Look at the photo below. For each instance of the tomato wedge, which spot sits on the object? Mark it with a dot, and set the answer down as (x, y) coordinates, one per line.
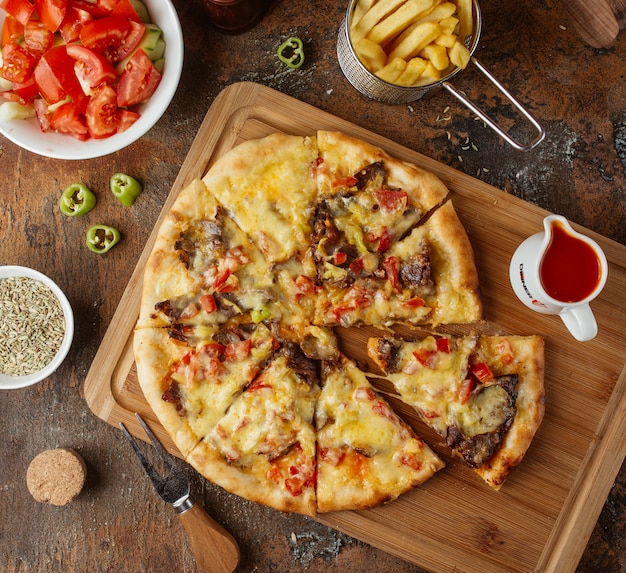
(12, 30)
(51, 12)
(105, 35)
(125, 8)
(17, 63)
(68, 118)
(73, 22)
(102, 114)
(42, 113)
(115, 37)
(138, 81)
(55, 77)
(95, 9)
(21, 10)
(26, 92)
(127, 118)
(91, 68)
(38, 39)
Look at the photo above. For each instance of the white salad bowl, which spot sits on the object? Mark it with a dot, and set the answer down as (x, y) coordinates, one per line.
(10, 382)
(26, 132)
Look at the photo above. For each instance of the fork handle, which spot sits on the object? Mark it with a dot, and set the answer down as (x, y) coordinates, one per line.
(214, 549)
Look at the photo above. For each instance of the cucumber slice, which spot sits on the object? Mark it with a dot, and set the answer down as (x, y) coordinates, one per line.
(159, 65)
(158, 50)
(14, 110)
(54, 106)
(142, 10)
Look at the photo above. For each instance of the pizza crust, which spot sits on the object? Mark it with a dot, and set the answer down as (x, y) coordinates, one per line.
(343, 156)
(253, 486)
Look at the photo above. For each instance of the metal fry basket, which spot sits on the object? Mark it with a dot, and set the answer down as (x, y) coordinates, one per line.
(375, 88)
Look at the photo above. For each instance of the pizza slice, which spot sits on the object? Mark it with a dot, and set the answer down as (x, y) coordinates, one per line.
(366, 454)
(484, 395)
(435, 263)
(190, 375)
(263, 448)
(202, 269)
(268, 186)
(425, 277)
(346, 163)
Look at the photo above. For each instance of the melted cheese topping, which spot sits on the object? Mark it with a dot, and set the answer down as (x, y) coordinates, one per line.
(433, 383)
(267, 418)
(350, 415)
(273, 201)
(218, 388)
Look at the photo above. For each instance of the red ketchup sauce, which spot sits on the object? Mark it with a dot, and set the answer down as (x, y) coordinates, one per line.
(570, 269)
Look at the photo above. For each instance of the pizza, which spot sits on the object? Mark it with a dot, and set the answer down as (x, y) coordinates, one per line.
(284, 240)
(482, 394)
(366, 454)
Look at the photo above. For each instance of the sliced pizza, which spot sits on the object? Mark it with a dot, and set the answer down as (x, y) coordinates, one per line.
(263, 448)
(190, 375)
(268, 186)
(484, 395)
(366, 454)
(434, 267)
(427, 276)
(202, 269)
(510, 357)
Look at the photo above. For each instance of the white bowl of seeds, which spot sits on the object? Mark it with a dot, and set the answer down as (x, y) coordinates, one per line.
(36, 327)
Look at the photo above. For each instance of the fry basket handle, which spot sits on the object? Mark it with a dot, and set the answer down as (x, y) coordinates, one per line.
(467, 102)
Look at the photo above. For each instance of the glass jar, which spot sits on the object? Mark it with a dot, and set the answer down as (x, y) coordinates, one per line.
(234, 16)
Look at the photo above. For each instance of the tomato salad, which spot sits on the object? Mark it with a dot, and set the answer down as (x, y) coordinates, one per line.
(80, 66)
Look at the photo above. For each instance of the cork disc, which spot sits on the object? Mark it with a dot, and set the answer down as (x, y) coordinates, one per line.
(56, 476)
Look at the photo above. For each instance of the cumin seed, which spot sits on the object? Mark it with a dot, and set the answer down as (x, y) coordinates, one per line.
(32, 326)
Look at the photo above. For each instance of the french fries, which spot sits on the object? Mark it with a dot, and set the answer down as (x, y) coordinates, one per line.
(412, 42)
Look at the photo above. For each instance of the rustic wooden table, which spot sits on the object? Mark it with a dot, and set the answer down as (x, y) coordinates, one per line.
(118, 523)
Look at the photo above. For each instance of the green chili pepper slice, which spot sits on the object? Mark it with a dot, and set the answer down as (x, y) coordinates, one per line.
(76, 200)
(102, 238)
(261, 313)
(125, 188)
(291, 52)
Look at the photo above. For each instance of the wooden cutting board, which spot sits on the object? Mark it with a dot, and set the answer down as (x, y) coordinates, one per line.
(542, 518)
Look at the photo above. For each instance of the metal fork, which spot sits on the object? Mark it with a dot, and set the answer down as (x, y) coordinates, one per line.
(214, 548)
